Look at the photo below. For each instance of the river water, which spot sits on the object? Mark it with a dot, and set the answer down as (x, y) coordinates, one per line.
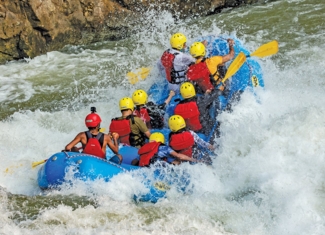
(268, 178)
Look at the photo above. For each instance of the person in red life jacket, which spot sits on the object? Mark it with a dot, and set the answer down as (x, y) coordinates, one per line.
(174, 62)
(150, 113)
(195, 110)
(208, 72)
(93, 141)
(186, 141)
(131, 129)
(156, 150)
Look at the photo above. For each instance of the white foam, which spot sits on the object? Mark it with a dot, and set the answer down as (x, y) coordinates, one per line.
(268, 177)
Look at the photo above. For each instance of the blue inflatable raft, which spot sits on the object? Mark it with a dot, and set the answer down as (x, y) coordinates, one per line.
(87, 167)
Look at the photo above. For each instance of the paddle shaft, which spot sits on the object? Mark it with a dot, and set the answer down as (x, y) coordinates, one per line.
(35, 164)
(235, 66)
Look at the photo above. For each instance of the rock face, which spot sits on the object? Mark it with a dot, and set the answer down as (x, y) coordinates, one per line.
(32, 27)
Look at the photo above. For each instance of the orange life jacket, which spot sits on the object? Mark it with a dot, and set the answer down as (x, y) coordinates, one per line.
(200, 74)
(190, 112)
(182, 142)
(94, 145)
(147, 152)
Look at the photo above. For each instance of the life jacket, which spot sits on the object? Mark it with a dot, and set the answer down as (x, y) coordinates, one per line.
(123, 128)
(94, 145)
(142, 113)
(147, 152)
(200, 74)
(191, 114)
(173, 76)
(182, 142)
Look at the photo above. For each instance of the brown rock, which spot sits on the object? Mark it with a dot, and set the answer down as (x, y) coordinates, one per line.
(32, 27)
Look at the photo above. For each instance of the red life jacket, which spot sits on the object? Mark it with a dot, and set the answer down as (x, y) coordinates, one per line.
(182, 142)
(147, 151)
(121, 127)
(190, 112)
(143, 114)
(93, 146)
(173, 76)
(200, 74)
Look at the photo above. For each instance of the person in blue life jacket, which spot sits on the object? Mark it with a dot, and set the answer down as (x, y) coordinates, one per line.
(93, 141)
(186, 141)
(208, 72)
(156, 150)
(131, 129)
(195, 109)
(174, 62)
(152, 114)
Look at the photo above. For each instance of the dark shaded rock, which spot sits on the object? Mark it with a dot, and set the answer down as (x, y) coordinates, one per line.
(33, 27)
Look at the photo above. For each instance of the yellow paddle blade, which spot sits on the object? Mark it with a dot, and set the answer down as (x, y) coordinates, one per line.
(144, 72)
(133, 78)
(266, 49)
(102, 129)
(235, 66)
(141, 73)
(35, 164)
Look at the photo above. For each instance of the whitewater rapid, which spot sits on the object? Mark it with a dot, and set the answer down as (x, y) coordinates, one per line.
(268, 177)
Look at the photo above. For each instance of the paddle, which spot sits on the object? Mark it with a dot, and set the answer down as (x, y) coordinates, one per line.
(35, 164)
(74, 149)
(141, 73)
(235, 66)
(266, 49)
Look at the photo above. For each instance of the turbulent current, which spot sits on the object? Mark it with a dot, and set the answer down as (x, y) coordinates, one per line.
(268, 178)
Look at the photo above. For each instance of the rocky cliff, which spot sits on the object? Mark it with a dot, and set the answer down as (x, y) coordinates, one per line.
(32, 27)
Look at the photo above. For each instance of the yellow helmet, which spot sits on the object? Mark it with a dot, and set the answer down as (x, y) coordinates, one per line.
(139, 97)
(187, 90)
(126, 103)
(176, 122)
(177, 41)
(158, 137)
(197, 49)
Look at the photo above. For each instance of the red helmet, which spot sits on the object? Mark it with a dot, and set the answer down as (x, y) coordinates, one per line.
(92, 120)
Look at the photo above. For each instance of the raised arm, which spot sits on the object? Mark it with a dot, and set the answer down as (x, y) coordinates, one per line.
(231, 54)
(171, 94)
